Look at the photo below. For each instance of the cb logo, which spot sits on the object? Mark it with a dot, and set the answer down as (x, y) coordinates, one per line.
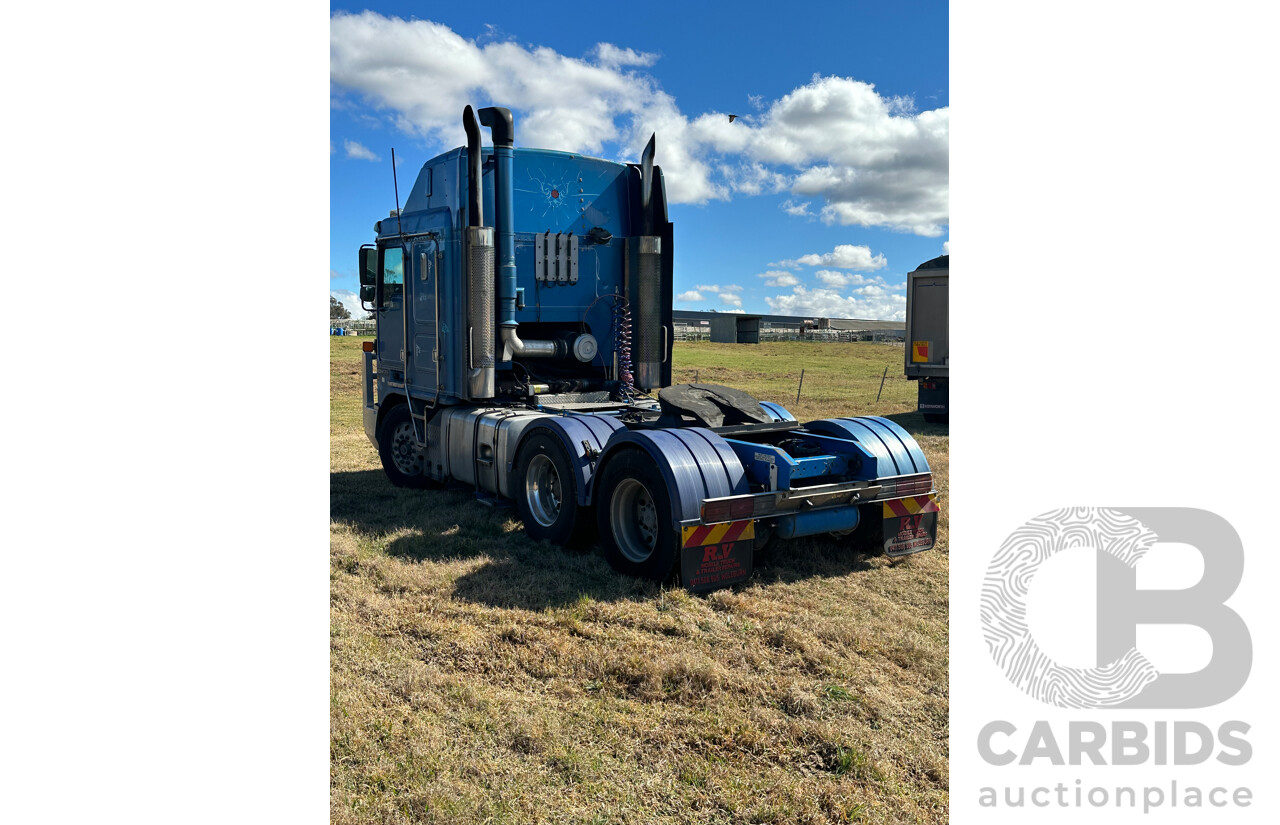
(1124, 677)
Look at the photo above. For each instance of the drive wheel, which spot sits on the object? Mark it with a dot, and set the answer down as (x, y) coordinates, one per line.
(403, 459)
(546, 493)
(633, 516)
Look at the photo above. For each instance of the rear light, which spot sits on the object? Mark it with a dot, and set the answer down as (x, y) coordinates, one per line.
(367, 346)
(731, 510)
(912, 487)
(714, 511)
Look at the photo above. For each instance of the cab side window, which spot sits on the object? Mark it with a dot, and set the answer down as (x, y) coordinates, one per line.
(392, 274)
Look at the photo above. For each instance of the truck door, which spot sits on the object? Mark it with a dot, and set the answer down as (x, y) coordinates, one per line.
(424, 289)
(391, 309)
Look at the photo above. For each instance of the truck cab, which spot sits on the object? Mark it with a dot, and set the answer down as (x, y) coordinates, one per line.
(524, 339)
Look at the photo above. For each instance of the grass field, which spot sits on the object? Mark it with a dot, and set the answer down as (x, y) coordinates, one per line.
(479, 677)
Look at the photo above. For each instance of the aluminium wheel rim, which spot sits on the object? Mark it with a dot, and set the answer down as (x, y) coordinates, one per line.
(542, 490)
(633, 518)
(406, 454)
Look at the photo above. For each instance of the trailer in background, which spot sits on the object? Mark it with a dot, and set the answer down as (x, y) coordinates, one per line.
(927, 355)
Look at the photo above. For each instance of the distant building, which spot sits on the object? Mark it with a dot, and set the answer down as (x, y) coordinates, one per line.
(742, 328)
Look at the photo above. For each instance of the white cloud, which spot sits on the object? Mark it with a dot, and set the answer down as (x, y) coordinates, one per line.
(607, 54)
(727, 294)
(946, 247)
(358, 151)
(836, 280)
(844, 256)
(798, 209)
(871, 302)
(777, 278)
(351, 301)
(425, 73)
(872, 160)
(753, 179)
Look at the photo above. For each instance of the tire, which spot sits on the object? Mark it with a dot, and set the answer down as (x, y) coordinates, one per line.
(546, 493)
(404, 463)
(633, 517)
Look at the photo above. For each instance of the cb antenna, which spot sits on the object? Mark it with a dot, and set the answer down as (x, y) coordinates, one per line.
(396, 183)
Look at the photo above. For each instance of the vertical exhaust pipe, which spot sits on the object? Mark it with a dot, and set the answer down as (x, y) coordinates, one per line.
(648, 344)
(498, 119)
(481, 379)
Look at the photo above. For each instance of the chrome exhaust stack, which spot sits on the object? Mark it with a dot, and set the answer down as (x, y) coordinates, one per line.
(502, 128)
(481, 373)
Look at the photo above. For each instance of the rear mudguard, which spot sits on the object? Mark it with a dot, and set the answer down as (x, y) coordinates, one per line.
(584, 438)
(696, 464)
(776, 411)
(895, 451)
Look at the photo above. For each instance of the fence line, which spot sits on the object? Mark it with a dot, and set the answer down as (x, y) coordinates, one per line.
(821, 336)
(868, 388)
(351, 326)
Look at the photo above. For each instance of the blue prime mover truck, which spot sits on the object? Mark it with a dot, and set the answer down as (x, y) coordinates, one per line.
(524, 337)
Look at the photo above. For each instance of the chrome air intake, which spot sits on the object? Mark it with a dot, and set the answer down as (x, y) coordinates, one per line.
(648, 352)
(480, 338)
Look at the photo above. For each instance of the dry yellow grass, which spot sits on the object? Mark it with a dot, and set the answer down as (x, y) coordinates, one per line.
(479, 677)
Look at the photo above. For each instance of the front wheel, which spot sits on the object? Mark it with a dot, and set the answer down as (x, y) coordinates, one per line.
(546, 493)
(403, 459)
(633, 516)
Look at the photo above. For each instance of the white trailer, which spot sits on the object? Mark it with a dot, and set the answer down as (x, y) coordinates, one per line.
(927, 354)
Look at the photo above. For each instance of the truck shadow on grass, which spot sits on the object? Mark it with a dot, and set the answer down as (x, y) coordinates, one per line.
(545, 576)
(448, 525)
(429, 526)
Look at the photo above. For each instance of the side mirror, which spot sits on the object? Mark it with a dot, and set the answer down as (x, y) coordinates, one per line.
(368, 266)
(369, 278)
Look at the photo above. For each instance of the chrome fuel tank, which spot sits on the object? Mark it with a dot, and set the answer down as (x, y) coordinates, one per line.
(477, 445)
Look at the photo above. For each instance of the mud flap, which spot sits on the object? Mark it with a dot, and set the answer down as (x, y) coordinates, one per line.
(910, 524)
(717, 555)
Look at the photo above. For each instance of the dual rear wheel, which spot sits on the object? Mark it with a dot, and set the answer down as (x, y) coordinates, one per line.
(633, 518)
(632, 515)
(546, 494)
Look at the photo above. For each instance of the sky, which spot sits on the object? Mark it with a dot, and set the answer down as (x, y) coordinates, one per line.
(829, 186)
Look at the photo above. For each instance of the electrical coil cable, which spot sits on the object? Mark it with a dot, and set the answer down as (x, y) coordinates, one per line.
(621, 330)
(622, 343)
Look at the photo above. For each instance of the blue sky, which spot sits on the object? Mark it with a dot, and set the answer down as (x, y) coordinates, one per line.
(828, 188)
